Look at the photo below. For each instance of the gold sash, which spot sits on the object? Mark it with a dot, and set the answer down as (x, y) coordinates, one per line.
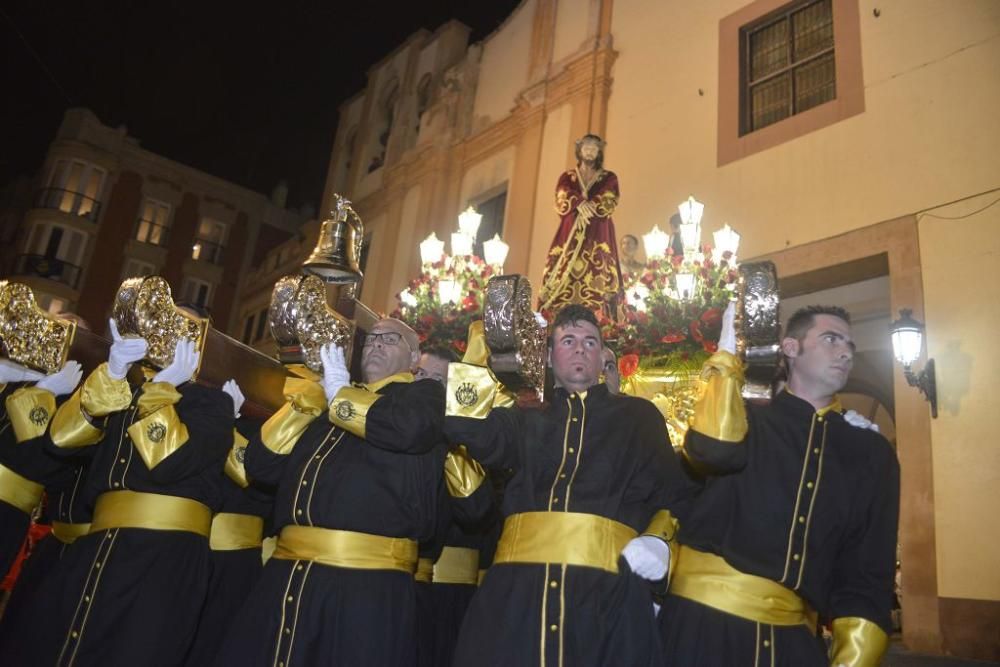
(457, 565)
(711, 581)
(425, 570)
(19, 491)
(231, 532)
(344, 548)
(153, 511)
(68, 532)
(571, 538)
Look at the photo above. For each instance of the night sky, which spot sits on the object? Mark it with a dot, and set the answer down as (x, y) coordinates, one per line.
(245, 91)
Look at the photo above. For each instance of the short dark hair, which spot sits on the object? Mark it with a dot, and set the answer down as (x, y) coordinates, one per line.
(573, 314)
(803, 318)
(440, 352)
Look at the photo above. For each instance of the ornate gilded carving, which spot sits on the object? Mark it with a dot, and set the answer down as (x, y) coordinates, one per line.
(29, 335)
(144, 307)
(302, 321)
(516, 342)
(758, 326)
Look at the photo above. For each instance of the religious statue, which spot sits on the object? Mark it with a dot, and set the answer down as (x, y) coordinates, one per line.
(582, 265)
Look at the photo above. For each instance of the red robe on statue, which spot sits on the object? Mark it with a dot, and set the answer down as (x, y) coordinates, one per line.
(582, 265)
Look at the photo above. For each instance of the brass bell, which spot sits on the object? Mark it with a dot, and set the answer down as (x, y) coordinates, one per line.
(337, 255)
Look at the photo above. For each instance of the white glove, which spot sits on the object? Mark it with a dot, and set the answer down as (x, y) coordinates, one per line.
(63, 381)
(11, 371)
(335, 373)
(855, 418)
(233, 389)
(727, 338)
(182, 368)
(540, 320)
(123, 353)
(648, 557)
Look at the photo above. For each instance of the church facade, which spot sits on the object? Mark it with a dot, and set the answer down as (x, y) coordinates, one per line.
(851, 142)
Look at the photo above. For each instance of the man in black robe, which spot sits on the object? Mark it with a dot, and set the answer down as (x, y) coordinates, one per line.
(587, 513)
(130, 591)
(358, 470)
(797, 519)
(27, 403)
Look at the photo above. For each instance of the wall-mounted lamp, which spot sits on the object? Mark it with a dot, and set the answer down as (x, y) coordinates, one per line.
(907, 336)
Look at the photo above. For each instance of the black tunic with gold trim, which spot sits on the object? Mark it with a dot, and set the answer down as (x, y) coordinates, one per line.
(69, 516)
(238, 529)
(591, 471)
(358, 485)
(26, 468)
(800, 506)
(129, 592)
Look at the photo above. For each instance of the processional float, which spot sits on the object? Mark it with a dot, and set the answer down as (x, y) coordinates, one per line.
(301, 319)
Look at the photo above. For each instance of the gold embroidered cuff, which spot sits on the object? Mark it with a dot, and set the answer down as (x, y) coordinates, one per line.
(29, 410)
(19, 492)
(663, 525)
(158, 436)
(235, 467)
(101, 395)
(70, 427)
(471, 391)
(232, 532)
(719, 412)
(857, 642)
(457, 565)
(306, 396)
(156, 395)
(305, 401)
(462, 473)
(349, 409)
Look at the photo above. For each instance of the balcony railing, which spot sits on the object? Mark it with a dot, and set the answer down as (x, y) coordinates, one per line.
(67, 201)
(207, 251)
(150, 232)
(48, 267)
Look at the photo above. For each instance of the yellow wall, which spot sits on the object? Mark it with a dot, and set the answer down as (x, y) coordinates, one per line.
(573, 20)
(960, 259)
(503, 70)
(928, 134)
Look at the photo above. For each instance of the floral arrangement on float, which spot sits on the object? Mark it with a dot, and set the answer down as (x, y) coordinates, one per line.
(447, 296)
(672, 317)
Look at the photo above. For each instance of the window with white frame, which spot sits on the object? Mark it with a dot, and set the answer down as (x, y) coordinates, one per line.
(197, 292)
(55, 241)
(210, 241)
(74, 186)
(153, 222)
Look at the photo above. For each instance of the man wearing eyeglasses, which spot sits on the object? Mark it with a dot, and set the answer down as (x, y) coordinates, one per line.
(358, 469)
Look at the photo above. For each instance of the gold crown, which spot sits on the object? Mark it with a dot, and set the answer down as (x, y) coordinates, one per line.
(302, 322)
(144, 307)
(29, 335)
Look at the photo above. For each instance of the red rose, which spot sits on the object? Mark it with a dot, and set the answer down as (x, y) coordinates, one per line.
(674, 337)
(628, 365)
